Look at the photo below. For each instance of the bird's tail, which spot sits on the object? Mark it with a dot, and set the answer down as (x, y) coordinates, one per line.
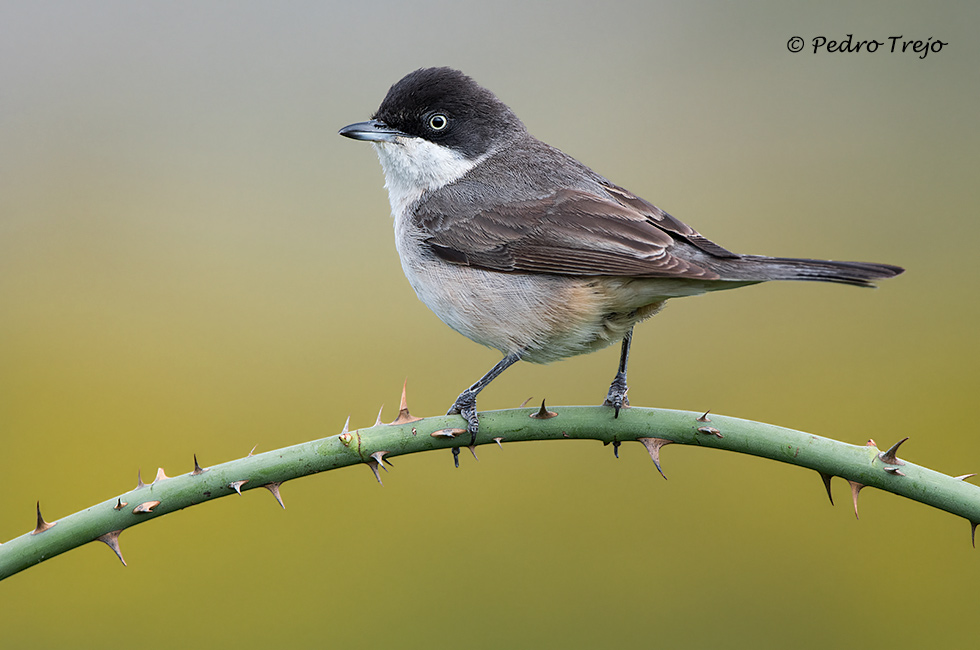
(860, 274)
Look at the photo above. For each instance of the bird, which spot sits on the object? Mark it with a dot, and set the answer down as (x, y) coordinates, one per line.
(520, 247)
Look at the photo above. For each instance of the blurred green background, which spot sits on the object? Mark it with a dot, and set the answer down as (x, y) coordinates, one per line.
(191, 261)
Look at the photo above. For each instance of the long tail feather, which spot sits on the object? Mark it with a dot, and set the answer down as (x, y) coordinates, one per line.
(859, 274)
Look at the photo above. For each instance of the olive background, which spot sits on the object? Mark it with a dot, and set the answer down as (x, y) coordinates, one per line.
(192, 261)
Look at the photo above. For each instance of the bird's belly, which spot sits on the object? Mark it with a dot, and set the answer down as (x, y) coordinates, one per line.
(541, 317)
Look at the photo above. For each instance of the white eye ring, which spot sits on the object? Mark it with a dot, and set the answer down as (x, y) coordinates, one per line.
(438, 122)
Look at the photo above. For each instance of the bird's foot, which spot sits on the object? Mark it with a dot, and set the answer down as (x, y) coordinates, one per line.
(465, 405)
(617, 393)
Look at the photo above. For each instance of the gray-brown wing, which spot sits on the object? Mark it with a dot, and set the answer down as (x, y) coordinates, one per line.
(574, 232)
(667, 221)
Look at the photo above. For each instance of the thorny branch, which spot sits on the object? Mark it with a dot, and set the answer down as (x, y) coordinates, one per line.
(861, 466)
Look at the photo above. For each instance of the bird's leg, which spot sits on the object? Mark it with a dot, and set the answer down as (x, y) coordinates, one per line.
(617, 390)
(465, 404)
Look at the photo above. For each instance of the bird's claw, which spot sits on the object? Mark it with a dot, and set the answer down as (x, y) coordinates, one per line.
(465, 406)
(617, 393)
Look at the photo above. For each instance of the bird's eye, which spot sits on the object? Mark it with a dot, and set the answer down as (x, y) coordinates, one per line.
(438, 122)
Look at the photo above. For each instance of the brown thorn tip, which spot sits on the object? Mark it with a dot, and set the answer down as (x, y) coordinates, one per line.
(252, 451)
(41, 524)
(404, 417)
(826, 481)
(139, 480)
(871, 443)
(373, 464)
(237, 485)
(161, 475)
(472, 448)
(120, 504)
(705, 418)
(895, 471)
(524, 403)
(653, 446)
(543, 413)
(710, 431)
(112, 541)
(855, 490)
(973, 533)
(274, 488)
(964, 477)
(145, 507)
(197, 468)
(498, 440)
(889, 456)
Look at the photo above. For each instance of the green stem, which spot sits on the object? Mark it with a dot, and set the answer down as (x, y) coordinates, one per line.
(862, 465)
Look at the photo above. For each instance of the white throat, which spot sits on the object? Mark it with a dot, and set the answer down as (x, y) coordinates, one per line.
(413, 166)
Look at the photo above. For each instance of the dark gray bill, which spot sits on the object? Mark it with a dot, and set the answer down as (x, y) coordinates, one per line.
(372, 131)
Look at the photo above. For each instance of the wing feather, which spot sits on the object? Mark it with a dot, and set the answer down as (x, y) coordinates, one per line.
(574, 232)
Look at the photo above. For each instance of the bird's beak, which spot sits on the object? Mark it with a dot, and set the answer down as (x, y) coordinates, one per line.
(372, 131)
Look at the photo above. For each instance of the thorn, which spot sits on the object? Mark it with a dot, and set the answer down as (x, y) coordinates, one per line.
(963, 478)
(894, 470)
(41, 524)
(472, 448)
(251, 452)
(524, 403)
(973, 533)
(404, 417)
(871, 443)
(120, 504)
(373, 464)
(456, 457)
(274, 488)
(710, 431)
(543, 413)
(161, 476)
(616, 445)
(498, 440)
(197, 468)
(145, 507)
(112, 541)
(889, 456)
(855, 490)
(379, 457)
(345, 425)
(237, 485)
(378, 420)
(826, 481)
(653, 446)
(705, 418)
(447, 433)
(139, 480)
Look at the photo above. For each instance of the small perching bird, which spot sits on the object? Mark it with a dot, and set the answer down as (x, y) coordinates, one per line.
(522, 248)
